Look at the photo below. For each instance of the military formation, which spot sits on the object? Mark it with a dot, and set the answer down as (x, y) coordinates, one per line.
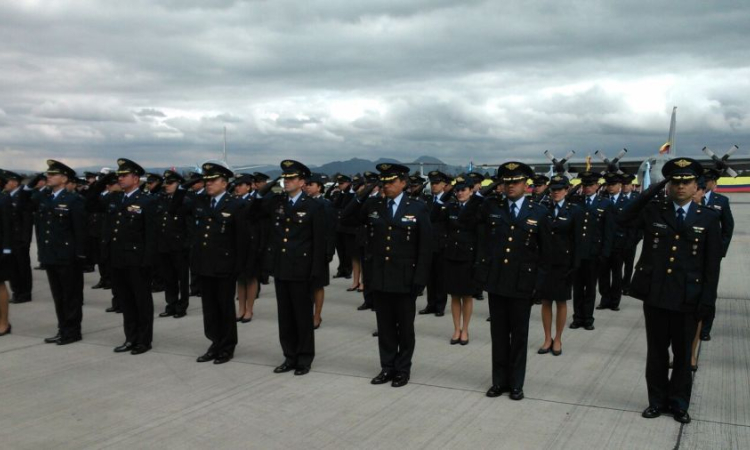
(522, 238)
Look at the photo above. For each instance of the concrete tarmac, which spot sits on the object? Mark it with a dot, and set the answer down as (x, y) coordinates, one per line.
(84, 396)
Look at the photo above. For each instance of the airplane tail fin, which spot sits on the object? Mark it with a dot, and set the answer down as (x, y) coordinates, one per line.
(669, 148)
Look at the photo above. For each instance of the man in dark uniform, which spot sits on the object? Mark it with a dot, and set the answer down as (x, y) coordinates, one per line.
(61, 242)
(720, 204)
(676, 277)
(101, 201)
(539, 189)
(260, 181)
(633, 236)
(22, 224)
(173, 246)
(298, 243)
(129, 239)
(610, 269)
(511, 241)
(218, 252)
(437, 296)
(596, 245)
(344, 234)
(400, 232)
(368, 296)
(197, 191)
(153, 187)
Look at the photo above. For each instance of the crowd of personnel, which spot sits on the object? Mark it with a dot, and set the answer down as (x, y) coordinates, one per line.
(221, 236)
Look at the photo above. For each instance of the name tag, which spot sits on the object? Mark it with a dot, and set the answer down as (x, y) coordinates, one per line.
(410, 219)
(226, 214)
(659, 225)
(698, 229)
(496, 216)
(374, 215)
(135, 209)
(531, 222)
(562, 218)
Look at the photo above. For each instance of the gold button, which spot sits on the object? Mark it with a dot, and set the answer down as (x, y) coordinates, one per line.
(669, 270)
(512, 227)
(387, 258)
(674, 248)
(677, 236)
(507, 250)
(285, 239)
(288, 219)
(510, 239)
(283, 250)
(584, 234)
(671, 259)
(585, 220)
(584, 227)
(388, 249)
(388, 238)
(286, 229)
(505, 261)
(390, 228)
(205, 235)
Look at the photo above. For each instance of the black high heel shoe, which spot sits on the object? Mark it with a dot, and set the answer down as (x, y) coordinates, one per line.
(10, 328)
(353, 289)
(544, 351)
(555, 353)
(457, 340)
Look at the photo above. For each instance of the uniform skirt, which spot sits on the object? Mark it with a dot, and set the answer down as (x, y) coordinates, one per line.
(6, 267)
(553, 284)
(459, 278)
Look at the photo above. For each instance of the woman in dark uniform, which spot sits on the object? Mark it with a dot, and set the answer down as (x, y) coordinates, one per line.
(6, 264)
(460, 218)
(247, 281)
(559, 263)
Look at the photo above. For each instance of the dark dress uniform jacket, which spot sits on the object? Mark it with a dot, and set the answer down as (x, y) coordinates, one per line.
(129, 236)
(439, 232)
(679, 268)
(598, 228)
(461, 229)
(401, 247)
(219, 247)
(510, 248)
(564, 239)
(720, 203)
(297, 238)
(6, 236)
(61, 227)
(172, 224)
(22, 220)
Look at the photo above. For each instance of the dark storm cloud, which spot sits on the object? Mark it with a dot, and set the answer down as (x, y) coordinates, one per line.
(325, 80)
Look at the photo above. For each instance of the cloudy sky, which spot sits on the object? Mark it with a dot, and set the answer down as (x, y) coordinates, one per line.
(321, 80)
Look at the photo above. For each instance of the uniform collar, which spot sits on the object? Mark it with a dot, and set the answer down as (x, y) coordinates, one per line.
(295, 198)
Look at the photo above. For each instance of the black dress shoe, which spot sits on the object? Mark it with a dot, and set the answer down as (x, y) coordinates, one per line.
(544, 351)
(496, 391)
(302, 371)
(601, 306)
(126, 347)
(374, 334)
(439, 313)
(651, 412)
(68, 340)
(166, 314)
(383, 377)
(516, 394)
(179, 315)
(575, 326)
(53, 339)
(694, 367)
(680, 415)
(222, 358)
(248, 320)
(455, 341)
(399, 380)
(427, 310)
(479, 297)
(7, 331)
(112, 309)
(97, 285)
(589, 327)
(208, 356)
(17, 300)
(489, 319)
(284, 368)
(363, 307)
(140, 349)
(614, 308)
(555, 352)
(705, 336)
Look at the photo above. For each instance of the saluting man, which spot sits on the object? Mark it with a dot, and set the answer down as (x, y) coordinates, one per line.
(399, 234)
(610, 270)
(129, 239)
(22, 224)
(676, 277)
(217, 256)
(298, 245)
(509, 253)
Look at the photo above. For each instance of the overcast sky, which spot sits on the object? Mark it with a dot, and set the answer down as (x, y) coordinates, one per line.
(315, 80)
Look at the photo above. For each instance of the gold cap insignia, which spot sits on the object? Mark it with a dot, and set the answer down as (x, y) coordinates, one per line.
(287, 163)
(682, 163)
(511, 166)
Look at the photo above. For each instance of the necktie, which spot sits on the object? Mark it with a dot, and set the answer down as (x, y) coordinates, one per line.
(513, 209)
(703, 201)
(557, 209)
(680, 217)
(291, 203)
(213, 203)
(588, 202)
(391, 202)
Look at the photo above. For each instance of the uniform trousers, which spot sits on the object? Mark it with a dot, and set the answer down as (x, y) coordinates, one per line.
(395, 314)
(666, 328)
(176, 272)
(66, 285)
(610, 279)
(509, 328)
(345, 259)
(437, 296)
(584, 292)
(21, 279)
(296, 328)
(132, 288)
(628, 262)
(219, 313)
